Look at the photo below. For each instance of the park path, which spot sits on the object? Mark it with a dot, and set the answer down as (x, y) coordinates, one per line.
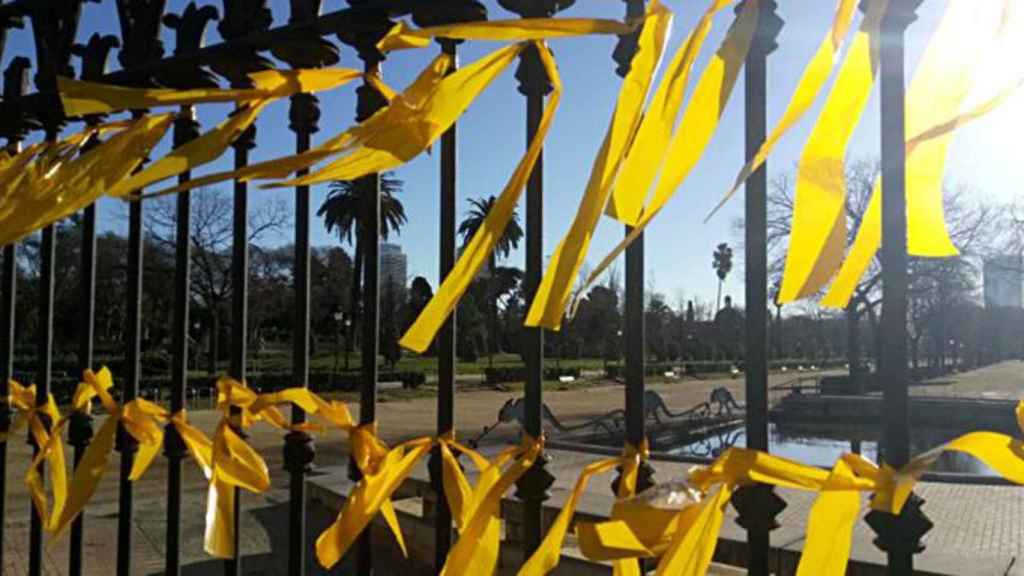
(264, 517)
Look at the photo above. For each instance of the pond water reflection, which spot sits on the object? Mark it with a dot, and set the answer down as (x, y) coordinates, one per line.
(821, 445)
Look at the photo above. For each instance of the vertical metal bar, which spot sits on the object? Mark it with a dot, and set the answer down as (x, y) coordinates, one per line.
(44, 360)
(185, 128)
(370, 224)
(80, 428)
(533, 492)
(8, 294)
(7, 322)
(239, 311)
(893, 360)
(635, 334)
(756, 268)
(368, 102)
(635, 341)
(126, 444)
(446, 336)
(758, 505)
(299, 445)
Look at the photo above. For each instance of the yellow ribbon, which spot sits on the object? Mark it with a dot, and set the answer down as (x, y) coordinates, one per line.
(674, 158)
(233, 463)
(383, 470)
(554, 290)
(818, 234)
(140, 418)
(939, 88)
(80, 97)
(811, 83)
(54, 186)
(547, 556)
(381, 123)
(477, 251)
(51, 449)
(477, 510)
(402, 37)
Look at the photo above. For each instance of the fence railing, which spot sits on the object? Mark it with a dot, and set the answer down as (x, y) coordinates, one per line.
(247, 29)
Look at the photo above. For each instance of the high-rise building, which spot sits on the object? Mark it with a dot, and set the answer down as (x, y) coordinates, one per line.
(393, 265)
(1004, 282)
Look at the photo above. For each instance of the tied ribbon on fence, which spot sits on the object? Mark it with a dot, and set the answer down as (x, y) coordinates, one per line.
(686, 538)
(233, 463)
(44, 184)
(139, 418)
(546, 558)
(382, 471)
(941, 85)
(50, 446)
(666, 156)
(269, 85)
(477, 251)
(477, 509)
(555, 287)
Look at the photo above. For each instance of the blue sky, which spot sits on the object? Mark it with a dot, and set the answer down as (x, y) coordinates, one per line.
(492, 138)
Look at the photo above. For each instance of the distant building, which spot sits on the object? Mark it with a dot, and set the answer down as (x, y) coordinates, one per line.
(393, 265)
(1004, 282)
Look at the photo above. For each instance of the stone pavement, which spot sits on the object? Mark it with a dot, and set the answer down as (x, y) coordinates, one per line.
(975, 524)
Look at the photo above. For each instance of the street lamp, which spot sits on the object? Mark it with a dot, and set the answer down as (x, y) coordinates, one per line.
(343, 325)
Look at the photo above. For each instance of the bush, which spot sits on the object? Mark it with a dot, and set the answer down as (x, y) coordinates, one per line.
(518, 374)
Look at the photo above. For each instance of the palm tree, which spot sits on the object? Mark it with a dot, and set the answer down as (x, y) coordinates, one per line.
(474, 220)
(342, 210)
(722, 265)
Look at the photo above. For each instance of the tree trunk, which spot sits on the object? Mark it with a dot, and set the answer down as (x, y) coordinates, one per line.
(718, 300)
(492, 312)
(214, 338)
(853, 356)
(876, 330)
(353, 307)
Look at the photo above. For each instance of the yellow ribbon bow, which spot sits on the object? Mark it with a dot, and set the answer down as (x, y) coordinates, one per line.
(233, 463)
(140, 418)
(686, 538)
(477, 509)
(546, 558)
(51, 449)
(383, 471)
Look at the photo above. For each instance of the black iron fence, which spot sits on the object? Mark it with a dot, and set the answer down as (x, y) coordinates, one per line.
(248, 30)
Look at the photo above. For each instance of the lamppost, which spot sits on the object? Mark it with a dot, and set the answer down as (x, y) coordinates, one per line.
(343, 324)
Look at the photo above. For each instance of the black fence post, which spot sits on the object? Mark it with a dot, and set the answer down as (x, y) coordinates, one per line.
(299, 449)
(94, 61)
(369, 100)
(534, 84)
(15, 84)
(757, 505)
(241, 18)
(435, 15)
(53, 28)
(634, 331)
(188, 28)
(899, 536)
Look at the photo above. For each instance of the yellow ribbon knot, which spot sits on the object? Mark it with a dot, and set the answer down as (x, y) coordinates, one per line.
(546, 558)
(23, 400)
(383, 471)
(233, 463)
(477, 509)
(141, 419)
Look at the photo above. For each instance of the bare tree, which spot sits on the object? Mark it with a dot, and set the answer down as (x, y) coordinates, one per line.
(211, 241)
(934, 283)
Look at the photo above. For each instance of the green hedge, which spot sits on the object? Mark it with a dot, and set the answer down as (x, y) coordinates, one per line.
(518, 374)
(617, 370)
(63, 387)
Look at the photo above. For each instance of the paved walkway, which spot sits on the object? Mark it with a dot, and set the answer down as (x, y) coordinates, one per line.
(994, 530)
